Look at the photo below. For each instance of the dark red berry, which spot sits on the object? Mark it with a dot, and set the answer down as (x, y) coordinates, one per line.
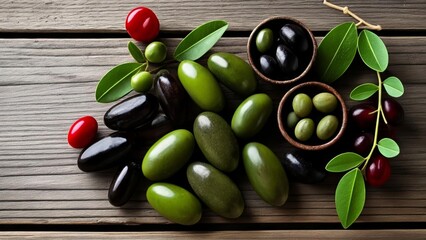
(394, 112)
(142, 24)
(364, 116)
(378, 171)
(363, 143)
(82, 132)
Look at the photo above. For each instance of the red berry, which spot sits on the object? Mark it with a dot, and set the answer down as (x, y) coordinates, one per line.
(142, 24)
(82, 132)
(363, 116)
(378, 171)
(394, 112)
(363, 143)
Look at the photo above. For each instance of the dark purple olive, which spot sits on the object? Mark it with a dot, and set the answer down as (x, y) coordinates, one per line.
(294, 37)
(124, 184)
(301, 168)
(107, 152)
(172, 97)
(132, 113)
(287, 61)
(151, 132)
(268, 66)
(393, 111)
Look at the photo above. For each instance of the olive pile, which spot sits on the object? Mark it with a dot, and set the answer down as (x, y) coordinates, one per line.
(305, 110)
(158, 136)
(284, 56)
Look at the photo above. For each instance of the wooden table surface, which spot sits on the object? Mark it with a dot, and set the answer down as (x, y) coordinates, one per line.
(52, 54)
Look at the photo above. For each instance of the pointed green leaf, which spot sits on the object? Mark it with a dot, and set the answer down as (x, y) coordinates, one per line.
(116, 82)
(388, 147)
(336, 52)
(136, 53)
(200, 40)
(344, 162)
(350, 197)
(373, 51)
(393, 87)
(363, 91)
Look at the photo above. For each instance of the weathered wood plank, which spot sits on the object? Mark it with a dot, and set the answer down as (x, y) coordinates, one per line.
(246, 234)
(46, 61)
(177, 15)
(47, 83)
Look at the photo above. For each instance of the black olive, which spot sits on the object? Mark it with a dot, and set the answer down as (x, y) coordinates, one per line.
(124, 184)
(287, 61)
(151, 132)
(302, 169)
(107, 152)
(268, 66)
(172, 97)
(294, 37)
(131, 113)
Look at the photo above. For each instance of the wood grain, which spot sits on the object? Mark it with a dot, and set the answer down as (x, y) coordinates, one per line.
(183, 15)
(48, 83)
(282, 234)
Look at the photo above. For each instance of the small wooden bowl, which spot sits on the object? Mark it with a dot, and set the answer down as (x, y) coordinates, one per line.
(275, 24)
(285, 107)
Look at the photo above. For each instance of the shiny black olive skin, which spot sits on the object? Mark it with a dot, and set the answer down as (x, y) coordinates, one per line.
(154, 130)
(108, 152)
(124, 184)
(131, 113)
(269, 66)
(302, 169)
(294, 37)
(171, 96)
(287, 61)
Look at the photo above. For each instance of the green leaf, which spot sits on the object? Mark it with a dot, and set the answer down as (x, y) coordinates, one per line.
(350, 197)
(373, 51)
(363, 91)
(388, 147)
(393, 87)
(136, 53)
(116, 83)
(336, 52)
(344, 162)
(200, 40)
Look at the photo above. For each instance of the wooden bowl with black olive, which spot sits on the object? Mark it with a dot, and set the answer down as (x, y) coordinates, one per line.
(281, 50)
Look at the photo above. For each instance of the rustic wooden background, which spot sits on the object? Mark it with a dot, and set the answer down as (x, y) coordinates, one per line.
(52, 54)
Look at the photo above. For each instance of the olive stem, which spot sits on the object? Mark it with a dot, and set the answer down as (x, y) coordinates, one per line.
(376, 131)
(346, 10)
(166, 63)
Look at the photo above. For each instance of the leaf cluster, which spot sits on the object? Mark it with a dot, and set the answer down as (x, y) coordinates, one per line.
(115, 84)
(335, 54)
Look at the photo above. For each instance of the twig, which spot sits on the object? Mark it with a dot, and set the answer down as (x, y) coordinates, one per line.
(346, 10)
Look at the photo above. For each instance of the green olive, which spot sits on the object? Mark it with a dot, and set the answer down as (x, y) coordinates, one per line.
(265, 173)
(169, 154)
(292, 120)
(302, 105)
(325, 102)
(141, 82)
(215, 189)
(251, 115)
(156, 52)
(174, 203)
(233, 72)
(327, 127)
(304, 129)
(216, 140)
(264, 40)
(201, 86)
